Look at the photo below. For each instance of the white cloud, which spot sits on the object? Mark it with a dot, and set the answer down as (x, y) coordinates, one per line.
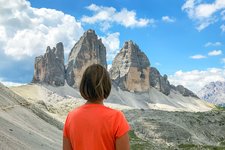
(222, 27)
(9, 83)
(198, 56)
(168, 19)
(213, 44)
(215, 53)
(223, 15)
(112, 43)
(223, 60)
(196, 79)
(26, 31)
(204, 13)
(158, 64)
(106, 16)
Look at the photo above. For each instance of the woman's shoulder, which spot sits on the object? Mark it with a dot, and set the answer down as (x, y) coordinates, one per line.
(96, 109)
(114, 112)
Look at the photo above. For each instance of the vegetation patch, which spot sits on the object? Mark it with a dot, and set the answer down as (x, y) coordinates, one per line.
(220, 107)
(137, 143)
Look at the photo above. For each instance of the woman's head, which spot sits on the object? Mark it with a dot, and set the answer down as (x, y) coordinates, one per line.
(95, 84)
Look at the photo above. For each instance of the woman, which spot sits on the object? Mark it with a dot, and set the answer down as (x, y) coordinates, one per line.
(94, 126)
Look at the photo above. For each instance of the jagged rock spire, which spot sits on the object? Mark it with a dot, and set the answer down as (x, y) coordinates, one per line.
(88, 50)
(50, 67)
(130, 68)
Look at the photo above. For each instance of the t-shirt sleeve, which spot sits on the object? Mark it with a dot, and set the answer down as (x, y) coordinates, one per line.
(65, 128)
(122, 125)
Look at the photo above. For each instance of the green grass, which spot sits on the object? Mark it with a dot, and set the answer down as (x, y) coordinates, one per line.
(221, 108)
(138, 144)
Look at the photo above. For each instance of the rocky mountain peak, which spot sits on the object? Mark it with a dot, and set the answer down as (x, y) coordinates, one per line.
(90, 33)
(184, 91)
(159, 82)
(130, 68)
(88, 50)
(162, 84)
(214, 92)
(50, 67)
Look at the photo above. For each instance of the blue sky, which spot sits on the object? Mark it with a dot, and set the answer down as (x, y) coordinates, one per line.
(184, 39)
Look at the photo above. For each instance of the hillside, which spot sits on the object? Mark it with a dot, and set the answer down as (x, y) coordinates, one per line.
(66, 98)
(22, 128)
(151, 129)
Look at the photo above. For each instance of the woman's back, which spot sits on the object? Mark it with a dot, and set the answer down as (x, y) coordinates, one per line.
(95, 127)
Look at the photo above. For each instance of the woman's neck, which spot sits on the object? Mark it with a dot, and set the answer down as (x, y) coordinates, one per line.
(95, 102)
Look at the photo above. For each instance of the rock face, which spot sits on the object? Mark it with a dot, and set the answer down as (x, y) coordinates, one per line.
(162, 84)
(88, 50)
(159, 82)
(213, 92)
(50, 68)
(184, 91)
(130, 69)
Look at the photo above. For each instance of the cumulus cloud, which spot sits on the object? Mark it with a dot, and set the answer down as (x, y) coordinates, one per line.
(204, 14)
(106, 16)
(112, 43)
(198, 56)
(215, 53)
(208, 44)
(168, 19)
(27, 31)
(196, 79)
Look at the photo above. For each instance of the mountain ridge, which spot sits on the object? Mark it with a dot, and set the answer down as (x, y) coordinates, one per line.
(138, 75)
(213, 92)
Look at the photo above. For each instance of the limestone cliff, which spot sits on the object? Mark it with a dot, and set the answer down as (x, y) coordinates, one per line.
(88, 50)
(50, 67)
(130, 68)
(162, 84)
(159, 82)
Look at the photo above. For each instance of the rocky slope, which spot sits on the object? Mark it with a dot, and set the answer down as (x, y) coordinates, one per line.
(25, 126)
(50, 67)
(88, 50)
(213, 92)
(151, 129)
(173, 130)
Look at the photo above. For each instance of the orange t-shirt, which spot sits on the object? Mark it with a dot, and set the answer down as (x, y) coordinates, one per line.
(94, 127)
